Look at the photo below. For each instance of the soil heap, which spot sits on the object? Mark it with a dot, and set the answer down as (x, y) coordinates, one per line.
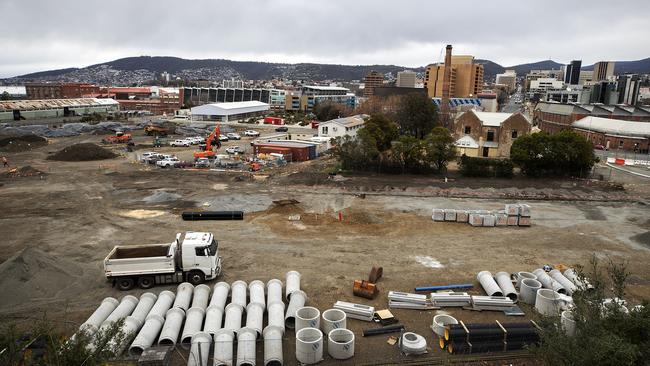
(21, 143)
(82, 152)
(26, 171)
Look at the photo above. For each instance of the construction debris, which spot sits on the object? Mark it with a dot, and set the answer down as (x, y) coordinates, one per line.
(365, 289)
(375, 274)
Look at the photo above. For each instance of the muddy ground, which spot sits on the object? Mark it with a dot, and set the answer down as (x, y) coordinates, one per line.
(58, 227)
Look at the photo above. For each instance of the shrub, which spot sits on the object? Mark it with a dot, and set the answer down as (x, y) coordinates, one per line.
(483, 167)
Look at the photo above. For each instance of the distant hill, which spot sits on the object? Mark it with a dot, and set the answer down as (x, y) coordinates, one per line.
(628, 67)
(541, 65)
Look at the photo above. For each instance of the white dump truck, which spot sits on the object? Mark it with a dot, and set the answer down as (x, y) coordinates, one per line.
(192, 257)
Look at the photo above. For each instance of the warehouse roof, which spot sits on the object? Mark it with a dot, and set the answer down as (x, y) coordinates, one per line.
(13, 90)
(26, 105)
(347, 121)
(493, 119)
(228, 109)
(613, 126)
(328, 88)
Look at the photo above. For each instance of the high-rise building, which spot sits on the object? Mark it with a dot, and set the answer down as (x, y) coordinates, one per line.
(572, 72)
(628, 89)
(508, 78)
(372, 80)
(405, 79)
(466, 78)
(603, 70)
(585, 77)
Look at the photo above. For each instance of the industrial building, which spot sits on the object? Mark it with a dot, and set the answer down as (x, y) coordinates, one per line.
(373, 80)
(555, 117)
(405, 79)
(308, 96)
(225, 112)
(17, 110)
(488, 134)
(192, 96)
(615, 134)
(340, 127)
(38, 91)
(466, 79)
(13, 92)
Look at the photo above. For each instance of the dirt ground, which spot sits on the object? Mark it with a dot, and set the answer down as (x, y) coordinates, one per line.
(58, 227)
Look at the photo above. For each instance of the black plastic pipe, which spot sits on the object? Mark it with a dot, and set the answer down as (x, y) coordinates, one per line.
(383, 330)
(213, 215)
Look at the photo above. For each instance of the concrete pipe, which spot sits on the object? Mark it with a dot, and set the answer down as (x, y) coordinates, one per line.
(489, 285)
(164, 303)
(548, 282)
(193, 325)
(582, 284)
(129, 329)
(184, 296)
(213, 319)
(255, 317)
(124, 309)
(144, 306)
(238, 293)
(293, 284)
(273, 291)
(309, 346)
(223, 347)
(568, 323)
(273, 346)
(147, 335)
(256, 292)
(200, 349)
(569, 286)
(548, 302)
(528, 290)
(333, 319)
(275, 312)
(246, 347)
(201, 296)
(523, 275)
(307, 317)
(505, 284)
(233, 317)
(340, 344)
(92, 324)
(172, 327)
(298, 301)
(440, 323)
(220, 295)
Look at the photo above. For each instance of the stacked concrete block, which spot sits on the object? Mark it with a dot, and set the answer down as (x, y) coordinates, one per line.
(438, 214)
(450, 215)
(515, 214)
(513, 220)
(476, 219)
(524, 210)
(462, 216)
(489, 220)
(501, 219)
(512, 209)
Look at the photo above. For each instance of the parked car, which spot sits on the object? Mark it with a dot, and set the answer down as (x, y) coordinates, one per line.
(202, 163)
(223, 138)
(600, 147)
(144, 157)
(169, 162)
(235, 150)
(282, 129)
(152, 159)
(233, 136)
(251, 133)
(177, 143)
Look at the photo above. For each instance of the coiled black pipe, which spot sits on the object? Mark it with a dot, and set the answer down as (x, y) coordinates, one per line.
(213, 215)
(383, 330)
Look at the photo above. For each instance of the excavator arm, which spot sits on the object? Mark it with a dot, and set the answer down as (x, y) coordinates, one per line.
(213, 139)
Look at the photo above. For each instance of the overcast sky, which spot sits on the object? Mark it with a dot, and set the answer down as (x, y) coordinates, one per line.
(38, 35)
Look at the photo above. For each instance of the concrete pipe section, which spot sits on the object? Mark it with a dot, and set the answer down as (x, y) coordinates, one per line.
(333, 319)
(233, 317)
(147, 300)
(523, 275)
(528, 290)
(273, 345)
(307, 317)
(238, 293)
(255, 318)
(582, 284)
(548, 302)
(256, 292)
(440, 322)
(124, 309)
(201, 296)
(340, 344)
(200, 349)
(273, 291)
(489, 285)
(130, 328)
(91, 326)
(147, 335)
(309, 346)
(548, 282)
(246, 347)
(172, 327)
(569, 286)
(223, 347)
(298, 301)
(293, 284)
(275, 312)
(220, 295)
(164, 303)
(184, 296)
(213, 319)
(568, 323)
(193, 325)
(505, 284)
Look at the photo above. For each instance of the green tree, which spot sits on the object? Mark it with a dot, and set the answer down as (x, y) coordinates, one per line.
(326, 111)
(381, 129)
(407, 153)
(417, 115)
(5, 96)
(440, 148)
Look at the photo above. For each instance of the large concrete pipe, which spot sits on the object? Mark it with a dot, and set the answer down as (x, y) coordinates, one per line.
(124, 309)
(505, 284)
(582, 284)
(213, 319)
(273, 291)
(548, 282)
(309, 345)
(523, 275)
(255, 317)
(293, 283)
(333, 319)
(184, 296)
(568, 323)
(92, 324)
(528, 290)
(440, 323)
(193, 325)
(246, 347)
(144, 306)
(164, 303)
(172, 327)
(298, 301)
(275, 312)
(147, 335)
(488, 283)
(340, 344)
(129, 329)
(201, 296)
(238, 293)
(569, 286)
(233, 317)
(200, 349)
(220, 295)
(256, 292)
(307, 317)
(223, 347)
(273, 346)
(548, 302)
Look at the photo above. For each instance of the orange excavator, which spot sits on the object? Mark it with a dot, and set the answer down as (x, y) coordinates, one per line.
(212, 139)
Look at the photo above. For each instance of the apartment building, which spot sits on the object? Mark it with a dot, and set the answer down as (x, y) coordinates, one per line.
(466, 78)
(373, 80)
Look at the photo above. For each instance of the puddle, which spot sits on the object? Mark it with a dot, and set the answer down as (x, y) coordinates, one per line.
(428, 261)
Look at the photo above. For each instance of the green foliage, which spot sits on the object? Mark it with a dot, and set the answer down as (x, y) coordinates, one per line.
(439, 148)
(5, 96)
(327, 111)
(416, 115)
(483, 167)
(563, 154)
(380, 129)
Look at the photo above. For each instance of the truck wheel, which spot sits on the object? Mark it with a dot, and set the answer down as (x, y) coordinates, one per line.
(146, 282)
(196, 278)
(125, 283)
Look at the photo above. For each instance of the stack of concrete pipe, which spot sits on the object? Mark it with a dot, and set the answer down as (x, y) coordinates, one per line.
(216, 308)
(153, 323)
(548, 282)
(107, 306)
(195, 314)
(295, 296)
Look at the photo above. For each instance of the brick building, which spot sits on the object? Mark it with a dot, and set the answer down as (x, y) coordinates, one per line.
(615, 134)
(40, 91)
(488, 134)
(555, 117)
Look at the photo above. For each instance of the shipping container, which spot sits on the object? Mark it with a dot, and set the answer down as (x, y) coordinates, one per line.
(284, 151)
(273, 121)
(299, 152)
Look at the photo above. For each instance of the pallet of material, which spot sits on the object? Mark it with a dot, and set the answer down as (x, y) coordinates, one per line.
(495, 303)
(523, 221)
(476, 219)
(489, 220)
(462, 216)
(410, 305)
(438, 214)
(501, 219)
(451, 299)
(450, 215)
(513, 220)
(356, 311)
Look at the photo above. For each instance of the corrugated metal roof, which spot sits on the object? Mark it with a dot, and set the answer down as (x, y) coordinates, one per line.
(26, 105)
(467, 141)
(227, 109)
(613, 126)
(347, 121)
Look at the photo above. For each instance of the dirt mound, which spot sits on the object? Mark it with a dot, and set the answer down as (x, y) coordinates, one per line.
(26, 171)
(21, 143)
(33, 274)
(82, 152)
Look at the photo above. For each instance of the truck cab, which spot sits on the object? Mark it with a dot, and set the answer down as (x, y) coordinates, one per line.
(200, 256)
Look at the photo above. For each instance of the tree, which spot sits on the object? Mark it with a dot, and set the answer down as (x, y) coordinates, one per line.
(407, 152)
(417, 115)
(381, 129)
(440, 148)
(326, 111)
(5, 96)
